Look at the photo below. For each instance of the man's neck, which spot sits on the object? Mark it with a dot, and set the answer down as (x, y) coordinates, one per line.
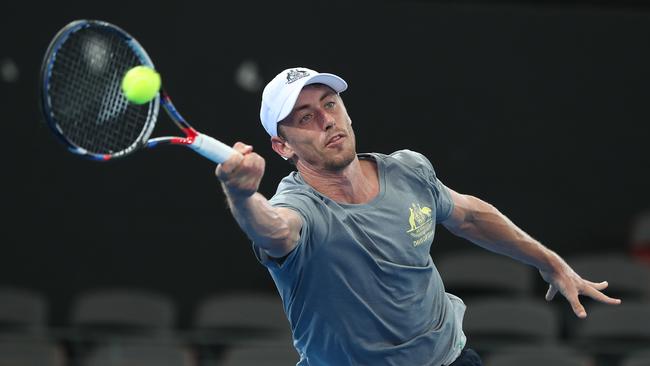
(357, 183)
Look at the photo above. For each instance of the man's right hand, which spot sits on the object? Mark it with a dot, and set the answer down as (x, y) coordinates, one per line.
(242, 173)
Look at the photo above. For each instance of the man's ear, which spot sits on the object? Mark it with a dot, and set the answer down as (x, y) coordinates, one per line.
(282, 147)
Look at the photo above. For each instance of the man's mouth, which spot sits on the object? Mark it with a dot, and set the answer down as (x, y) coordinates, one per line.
(335, 139)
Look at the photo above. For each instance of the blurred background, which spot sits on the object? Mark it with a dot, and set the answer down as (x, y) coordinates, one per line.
(539, 108)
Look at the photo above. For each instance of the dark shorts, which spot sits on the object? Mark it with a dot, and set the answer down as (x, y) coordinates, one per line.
(468, 357)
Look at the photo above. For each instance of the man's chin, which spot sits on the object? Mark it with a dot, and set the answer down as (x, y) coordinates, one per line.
(341, 161)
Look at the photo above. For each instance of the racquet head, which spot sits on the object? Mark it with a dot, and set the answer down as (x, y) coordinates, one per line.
(81, 96)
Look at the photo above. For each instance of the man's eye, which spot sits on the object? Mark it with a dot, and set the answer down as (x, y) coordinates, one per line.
(330, 105)
(305, 118)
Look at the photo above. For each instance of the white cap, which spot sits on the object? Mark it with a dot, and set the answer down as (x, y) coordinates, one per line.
(280, 94)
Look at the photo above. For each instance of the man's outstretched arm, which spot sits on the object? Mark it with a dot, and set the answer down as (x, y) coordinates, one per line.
(482, 224)
(274, 229)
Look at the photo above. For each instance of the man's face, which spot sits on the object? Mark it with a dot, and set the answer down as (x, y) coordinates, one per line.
(318, 130)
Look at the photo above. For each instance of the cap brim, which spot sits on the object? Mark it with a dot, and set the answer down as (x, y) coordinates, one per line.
(330, 80)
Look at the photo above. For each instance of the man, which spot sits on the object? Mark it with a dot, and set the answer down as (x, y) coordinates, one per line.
(347, 237)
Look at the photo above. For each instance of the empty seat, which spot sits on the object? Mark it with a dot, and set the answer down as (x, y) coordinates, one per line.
(125, 354)
(23, 313)
(638, 358)
(494, 322)
(111, 316)
(267, 354)
(539, 355)
(123, 312)
(242, 316)
(31, 353)
(482, 273)
(614, 330)
(223, 320)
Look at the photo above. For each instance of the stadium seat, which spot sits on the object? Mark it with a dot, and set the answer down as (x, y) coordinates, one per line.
(135, 354)
(482, 273)
(23, 313)
(539, 355)
(491, 323)
(32, 353)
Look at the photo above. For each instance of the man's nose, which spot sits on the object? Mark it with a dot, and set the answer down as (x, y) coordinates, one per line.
(327, 120)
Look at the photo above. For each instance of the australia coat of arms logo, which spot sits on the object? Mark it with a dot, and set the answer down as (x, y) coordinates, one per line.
(420, 224)
(295, 74)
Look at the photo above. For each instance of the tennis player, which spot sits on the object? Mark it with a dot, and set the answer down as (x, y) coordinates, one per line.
(347, 236)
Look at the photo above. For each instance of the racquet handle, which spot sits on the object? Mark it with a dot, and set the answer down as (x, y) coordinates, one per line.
(212, 148)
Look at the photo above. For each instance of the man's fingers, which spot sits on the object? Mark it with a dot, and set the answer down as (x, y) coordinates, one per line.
(229, 165)
(577, 307)
(571, 297)
(242, 148)
(599, 296)
(590, 289)
(550, 294)
(598, 285)
(571, 294)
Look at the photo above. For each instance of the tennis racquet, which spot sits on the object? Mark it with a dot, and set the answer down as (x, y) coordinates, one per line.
(83, 103)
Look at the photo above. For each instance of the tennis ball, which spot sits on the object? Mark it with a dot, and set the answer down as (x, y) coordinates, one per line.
(140, 84)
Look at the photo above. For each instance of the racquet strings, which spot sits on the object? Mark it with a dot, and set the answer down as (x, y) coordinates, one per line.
(85, 93)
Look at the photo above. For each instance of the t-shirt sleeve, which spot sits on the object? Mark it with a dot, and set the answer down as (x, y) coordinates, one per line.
(444, 202)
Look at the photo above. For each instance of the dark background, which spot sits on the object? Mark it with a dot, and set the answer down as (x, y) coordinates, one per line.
(539, 108)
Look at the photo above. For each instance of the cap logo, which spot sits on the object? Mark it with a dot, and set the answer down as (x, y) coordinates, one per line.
(296, 74)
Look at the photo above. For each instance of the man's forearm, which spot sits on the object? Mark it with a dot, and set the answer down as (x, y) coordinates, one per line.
(258, 219)
(482, 224)
(490, 229)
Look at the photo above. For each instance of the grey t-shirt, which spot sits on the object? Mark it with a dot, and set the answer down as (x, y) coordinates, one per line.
(360, 288)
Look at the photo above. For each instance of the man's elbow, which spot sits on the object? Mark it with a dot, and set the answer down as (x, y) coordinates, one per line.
(279, 242)
(466, 213)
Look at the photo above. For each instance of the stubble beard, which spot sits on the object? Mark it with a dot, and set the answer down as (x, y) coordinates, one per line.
(340, 162)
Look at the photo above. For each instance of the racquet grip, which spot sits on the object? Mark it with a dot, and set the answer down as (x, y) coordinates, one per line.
(212, 148)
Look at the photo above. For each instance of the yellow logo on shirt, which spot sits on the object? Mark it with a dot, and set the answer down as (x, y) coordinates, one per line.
(421, 224)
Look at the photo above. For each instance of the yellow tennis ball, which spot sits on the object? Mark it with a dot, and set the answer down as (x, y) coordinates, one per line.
(140, 84)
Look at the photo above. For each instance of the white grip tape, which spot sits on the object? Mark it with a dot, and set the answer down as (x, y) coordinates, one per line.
(211, 148)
